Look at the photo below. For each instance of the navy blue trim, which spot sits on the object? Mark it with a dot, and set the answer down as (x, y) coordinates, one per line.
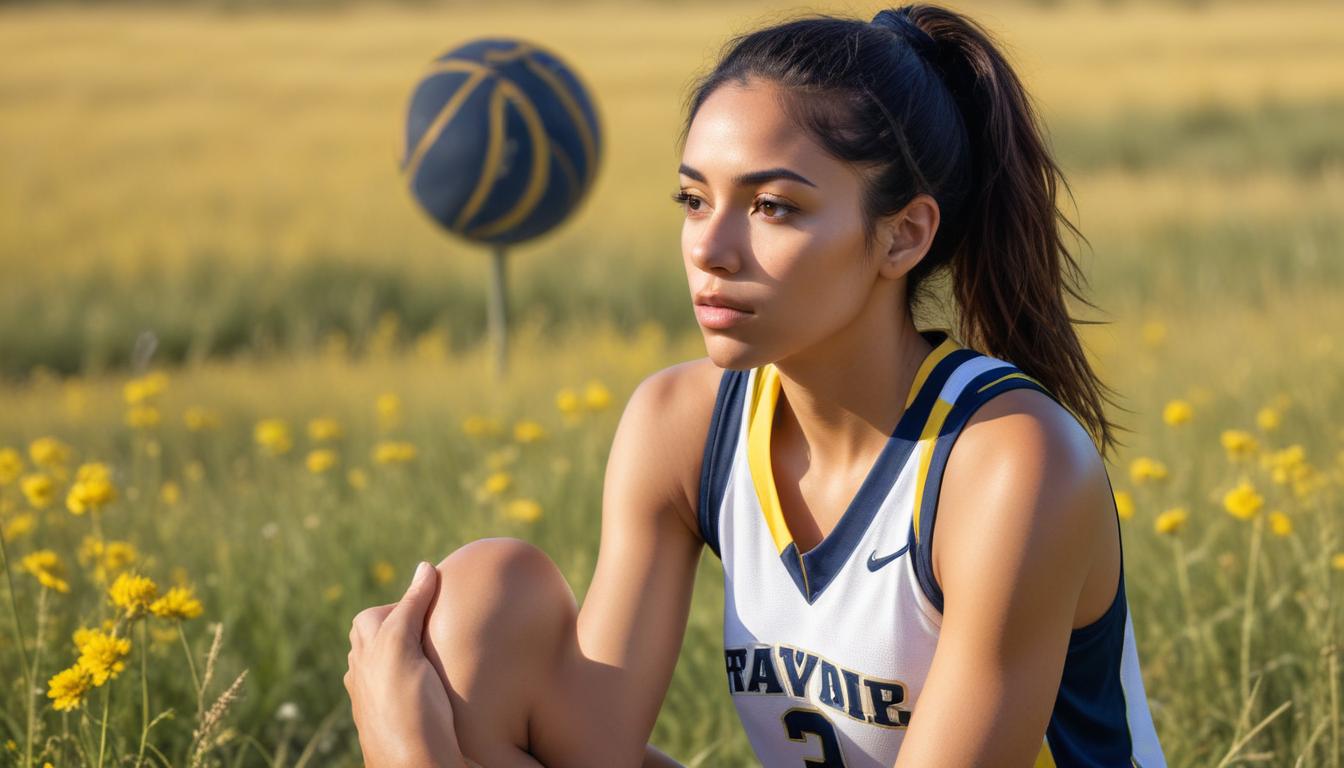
(1089, 725)
(720, 445)
(968, 401)
(792, 564)
(823, 561)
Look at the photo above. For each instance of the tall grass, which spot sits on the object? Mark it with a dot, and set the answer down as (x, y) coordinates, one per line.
(223, 207)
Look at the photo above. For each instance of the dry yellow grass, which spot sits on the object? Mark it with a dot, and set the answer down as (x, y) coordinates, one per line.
(158, 136)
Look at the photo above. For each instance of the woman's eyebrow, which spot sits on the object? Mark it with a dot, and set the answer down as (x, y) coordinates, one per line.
(749, 179)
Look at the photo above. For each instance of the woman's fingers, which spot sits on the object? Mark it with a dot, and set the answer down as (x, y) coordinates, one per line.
(405, 624)
(366, 623)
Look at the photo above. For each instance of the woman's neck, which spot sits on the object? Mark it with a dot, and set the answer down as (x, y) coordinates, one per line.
(845, 395)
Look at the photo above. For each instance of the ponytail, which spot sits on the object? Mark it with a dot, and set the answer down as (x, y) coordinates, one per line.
(1011, 268)
(922, 96)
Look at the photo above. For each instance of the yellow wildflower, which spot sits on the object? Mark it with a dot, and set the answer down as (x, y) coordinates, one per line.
(1144, 469)
(383, 572)
(39, 489)
(479, 426)
(1124, 505)
(1239, 444)
(273, 435)
(388, 407)
(1284, 459)
(1337, 561)
(19, 525)
(102, 654)
(142, 417)
(194, 471)
(528, 431)
(357, 478)
(525, 510)
(198, 419)
(170, 493)
(323, 429)
(1268, 419)
(92, 488)
(1280, 524)
(595, 396)
(1177, 412)
(497, 483)
(320, 460)
(47, 568)
(48, 452)
(393, 452)
(106, 558)
(177, 603)
(11, 465)
(1243, 502)
(132, 593)
(332, 593)
(143, 388)
(66, 688)
(567, 400)
(1171, 521)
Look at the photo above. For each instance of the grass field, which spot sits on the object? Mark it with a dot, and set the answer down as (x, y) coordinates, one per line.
(228, 182)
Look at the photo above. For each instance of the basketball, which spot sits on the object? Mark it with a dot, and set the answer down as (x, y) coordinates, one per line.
(502, 141)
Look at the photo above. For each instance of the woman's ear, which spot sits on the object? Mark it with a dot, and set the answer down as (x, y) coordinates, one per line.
(905, 237)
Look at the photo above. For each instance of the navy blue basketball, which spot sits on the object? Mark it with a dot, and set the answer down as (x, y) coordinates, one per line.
(502, 141)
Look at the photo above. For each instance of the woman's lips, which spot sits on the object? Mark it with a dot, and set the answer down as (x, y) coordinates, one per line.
(719, 318)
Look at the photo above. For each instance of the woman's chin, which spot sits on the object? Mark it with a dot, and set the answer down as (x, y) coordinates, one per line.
(730, 353)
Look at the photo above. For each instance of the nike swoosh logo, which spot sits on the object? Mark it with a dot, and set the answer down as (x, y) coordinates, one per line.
(877, 562)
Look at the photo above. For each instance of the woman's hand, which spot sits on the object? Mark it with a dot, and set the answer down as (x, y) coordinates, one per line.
(400, 705)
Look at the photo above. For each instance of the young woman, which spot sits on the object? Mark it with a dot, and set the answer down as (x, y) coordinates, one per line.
(830, 169)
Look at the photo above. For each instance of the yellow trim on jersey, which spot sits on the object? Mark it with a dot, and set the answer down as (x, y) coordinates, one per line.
(1017, 375)
(761, 415)
(928, 440)
(1045, 759)
(763, 400)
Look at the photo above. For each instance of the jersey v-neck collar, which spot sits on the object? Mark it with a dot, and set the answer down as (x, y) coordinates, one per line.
(813, 570)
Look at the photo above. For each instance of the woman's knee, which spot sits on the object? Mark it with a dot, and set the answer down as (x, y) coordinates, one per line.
(500, 600)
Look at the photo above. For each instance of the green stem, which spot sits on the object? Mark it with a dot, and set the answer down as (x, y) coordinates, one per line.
(1248, 615)
(102, 737)
(144, 696)
(18, 641)
(37, 664)
(191, 665)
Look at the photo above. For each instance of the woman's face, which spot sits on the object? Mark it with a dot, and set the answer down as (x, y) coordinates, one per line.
(773, 226)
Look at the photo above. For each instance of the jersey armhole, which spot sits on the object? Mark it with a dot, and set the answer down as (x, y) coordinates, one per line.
(978, 391)
(717, 461)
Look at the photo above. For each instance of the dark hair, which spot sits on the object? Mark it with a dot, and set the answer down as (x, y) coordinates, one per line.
(921, 100)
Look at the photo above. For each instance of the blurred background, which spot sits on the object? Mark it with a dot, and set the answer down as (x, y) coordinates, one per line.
(237, 359)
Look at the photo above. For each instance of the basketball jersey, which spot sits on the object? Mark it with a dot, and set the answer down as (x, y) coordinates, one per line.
(826, 651)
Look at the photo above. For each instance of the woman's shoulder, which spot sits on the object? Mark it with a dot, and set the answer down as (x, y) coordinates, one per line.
(669, 414)
(1026, 469)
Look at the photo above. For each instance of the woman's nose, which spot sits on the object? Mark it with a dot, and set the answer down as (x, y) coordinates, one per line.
(717, 244)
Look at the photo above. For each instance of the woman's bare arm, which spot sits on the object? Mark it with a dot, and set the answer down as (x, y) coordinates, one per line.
(633, 618)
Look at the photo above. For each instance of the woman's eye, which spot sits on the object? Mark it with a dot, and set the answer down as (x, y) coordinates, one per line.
(685, 200)
(772, 206)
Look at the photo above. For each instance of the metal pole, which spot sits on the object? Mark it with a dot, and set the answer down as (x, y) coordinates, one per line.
(499, 311)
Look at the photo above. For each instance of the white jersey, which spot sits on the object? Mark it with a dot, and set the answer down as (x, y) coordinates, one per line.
(826, 651)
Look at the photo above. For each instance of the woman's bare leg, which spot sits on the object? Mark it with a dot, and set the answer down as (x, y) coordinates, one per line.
(503, 623)
(493, 634)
